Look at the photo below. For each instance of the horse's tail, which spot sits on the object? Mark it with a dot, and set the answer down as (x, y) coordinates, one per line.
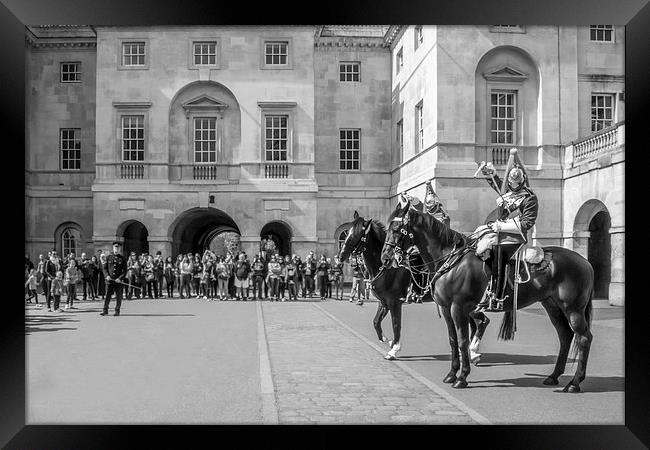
(506, 330)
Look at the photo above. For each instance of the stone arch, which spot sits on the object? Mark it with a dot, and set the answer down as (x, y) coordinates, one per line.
(203, 99)
(281, 233)
(75, 232)
(341, 233)
(135, 237)
(508, 69)
(591, 238)
(194, 229)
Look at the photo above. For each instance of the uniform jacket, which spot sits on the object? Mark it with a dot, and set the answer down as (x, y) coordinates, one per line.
(115, 267)
(522, 204)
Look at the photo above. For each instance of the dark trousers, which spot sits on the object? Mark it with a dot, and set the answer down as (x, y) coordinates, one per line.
(275, 283)
(57, 301)
(258, 282)
(499, 268)
(195, 285)
(309, 286)
(329, 289)
(116, 288)
(33, 295)
(72, 294)
(292, 291)
(45, 285)
(152, 289)
(170, 287)
(322, 283)
(101, 285)
(88, 286)
(185, 284)
(159, 285)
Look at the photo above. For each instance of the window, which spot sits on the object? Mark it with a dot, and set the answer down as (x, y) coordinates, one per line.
(68, 241)
(419, 123)
(205, 140)
(502, 117)
(205, 53)
(601, 33)
(349, 148)
(276, 53)
(419, 38)
(399, 136)
(276, 137)
(133, 54)
(70, 145)
(399, 60)
(349, 71)
(70, 72)
(133, 138)
(602, 111)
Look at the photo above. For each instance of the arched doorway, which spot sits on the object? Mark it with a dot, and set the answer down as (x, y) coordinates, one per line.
(599, 253)
(280, 234)
(135, 237)
(196, 229)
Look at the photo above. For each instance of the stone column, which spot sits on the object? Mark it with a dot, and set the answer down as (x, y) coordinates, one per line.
(617, 282)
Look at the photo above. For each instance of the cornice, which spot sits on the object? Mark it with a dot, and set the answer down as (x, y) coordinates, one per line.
(343, 43)
(42, 43)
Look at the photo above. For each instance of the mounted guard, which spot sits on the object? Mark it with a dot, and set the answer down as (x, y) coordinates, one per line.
(433, 205)
(517, 208)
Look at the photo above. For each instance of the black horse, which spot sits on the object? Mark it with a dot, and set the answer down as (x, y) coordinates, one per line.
(366, 237)
(564, 287)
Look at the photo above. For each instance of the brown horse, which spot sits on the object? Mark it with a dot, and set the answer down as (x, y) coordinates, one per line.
(564, 288)
(389, 285)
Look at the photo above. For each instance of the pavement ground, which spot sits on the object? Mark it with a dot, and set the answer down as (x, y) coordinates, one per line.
(190, 361)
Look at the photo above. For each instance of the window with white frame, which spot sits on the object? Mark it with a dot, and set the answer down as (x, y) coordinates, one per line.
(205, 139)
(419, 37)
(601, 33)
(419, 123)
(349, 148)
(70, 147)
(602, 111)
(133, 138)
(276, 132)
(70, 72)
(349, 71)
(502, 117)
(133, 54)
(342, 237)
(69, 239)
(276, 53)
(399, 137)
(399, 60)
(205, 53)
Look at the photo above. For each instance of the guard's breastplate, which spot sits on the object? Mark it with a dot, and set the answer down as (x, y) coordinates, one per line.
(513, 200)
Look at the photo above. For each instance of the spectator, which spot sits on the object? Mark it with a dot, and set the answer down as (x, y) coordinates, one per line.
(309, 271)
(177, 266)
(230, 262)
(158, 274)
(357, 279)
(274, 273)
(87, 277)
(101, 278)
(150, 279)
(321, 272)
(56, 290)
(197, 269)
(291, 272)
(258, 277)
(169, 272)
(366, 278)
(223, 275)
(31, 285)
(299, 280)
(329, 278)
(283, 283)
(71, 277)
(242, 270)
(186, 276)
(337, 273)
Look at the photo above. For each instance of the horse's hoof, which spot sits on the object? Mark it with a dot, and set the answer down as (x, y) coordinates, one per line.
(383, 339)
(449, 379)
(390, 358)
(550, 381)
(459, 384)
(571, 388)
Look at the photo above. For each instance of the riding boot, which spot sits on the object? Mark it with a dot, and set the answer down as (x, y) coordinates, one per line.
(488, 298)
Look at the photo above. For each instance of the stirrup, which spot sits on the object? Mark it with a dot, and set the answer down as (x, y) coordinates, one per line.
(497, 305)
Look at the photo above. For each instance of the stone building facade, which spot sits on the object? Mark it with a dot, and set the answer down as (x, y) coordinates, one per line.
(164, 137)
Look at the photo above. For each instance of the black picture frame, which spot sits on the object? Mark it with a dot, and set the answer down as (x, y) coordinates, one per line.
(635, 15)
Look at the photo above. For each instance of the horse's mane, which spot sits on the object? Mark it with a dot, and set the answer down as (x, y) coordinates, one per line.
(379, 228)
(443, 234)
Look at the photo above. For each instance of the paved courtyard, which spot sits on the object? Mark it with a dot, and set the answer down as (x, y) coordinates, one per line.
(196, 362)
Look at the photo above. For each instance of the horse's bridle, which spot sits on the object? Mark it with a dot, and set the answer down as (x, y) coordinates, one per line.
(398, 251)
(360, 246)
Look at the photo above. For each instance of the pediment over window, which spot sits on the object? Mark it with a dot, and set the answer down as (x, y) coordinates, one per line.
(203, 103)
(505, 73)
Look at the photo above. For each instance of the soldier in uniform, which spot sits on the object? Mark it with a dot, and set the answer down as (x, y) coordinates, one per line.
(114, 272)
(517, 206)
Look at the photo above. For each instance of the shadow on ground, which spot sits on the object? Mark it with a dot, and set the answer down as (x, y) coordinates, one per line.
(54, 322)
(492, 359)
(590, 384)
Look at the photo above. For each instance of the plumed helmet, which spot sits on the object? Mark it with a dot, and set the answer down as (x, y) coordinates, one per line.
(516, 175)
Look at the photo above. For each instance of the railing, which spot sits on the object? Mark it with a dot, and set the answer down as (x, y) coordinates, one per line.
(132, 171)
(500, 155)
(600, 142)
(205, 172)
(276, 170)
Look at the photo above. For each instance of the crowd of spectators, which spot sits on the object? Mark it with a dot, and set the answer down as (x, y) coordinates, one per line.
(268, 276)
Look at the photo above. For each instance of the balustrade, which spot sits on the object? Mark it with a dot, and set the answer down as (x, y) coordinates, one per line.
(276, 170)
(205, 172)
(132, 171)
